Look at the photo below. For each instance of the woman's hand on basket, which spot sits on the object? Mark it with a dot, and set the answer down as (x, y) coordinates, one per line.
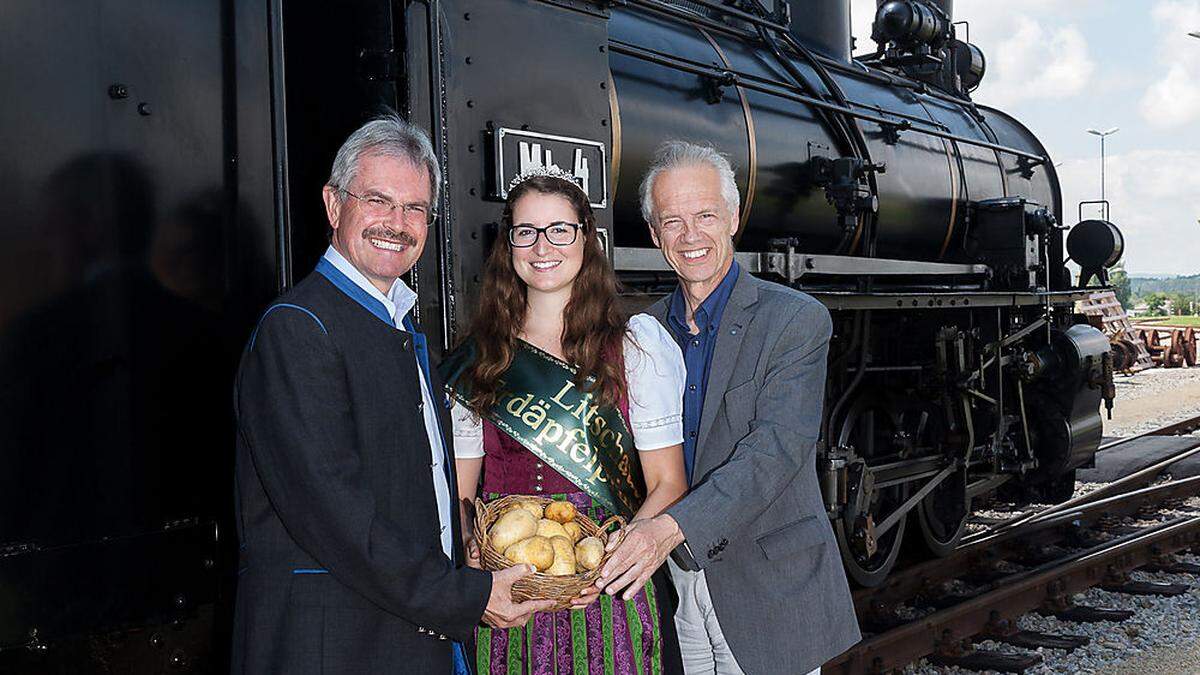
(645, 547)
(586, 597)
(502, 611)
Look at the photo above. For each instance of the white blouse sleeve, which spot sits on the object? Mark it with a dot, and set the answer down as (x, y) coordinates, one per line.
(468, 432)
(655, 375)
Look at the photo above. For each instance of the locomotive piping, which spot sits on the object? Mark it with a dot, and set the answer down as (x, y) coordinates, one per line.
(283, 219)
(836, 124)
(688, 66)
(437, 95)
(751, 140)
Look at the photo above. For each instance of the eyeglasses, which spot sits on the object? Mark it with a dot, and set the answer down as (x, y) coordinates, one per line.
(378, 206)
(557, 234)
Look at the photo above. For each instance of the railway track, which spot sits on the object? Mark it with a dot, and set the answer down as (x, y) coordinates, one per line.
(1032, 562)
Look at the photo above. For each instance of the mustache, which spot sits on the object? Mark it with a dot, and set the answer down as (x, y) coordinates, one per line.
(383, 232)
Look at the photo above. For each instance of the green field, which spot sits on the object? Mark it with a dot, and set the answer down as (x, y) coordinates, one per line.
(1168, 320)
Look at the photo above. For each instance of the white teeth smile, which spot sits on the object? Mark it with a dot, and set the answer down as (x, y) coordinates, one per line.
(549, 264)
(387, 245)
(699, 253)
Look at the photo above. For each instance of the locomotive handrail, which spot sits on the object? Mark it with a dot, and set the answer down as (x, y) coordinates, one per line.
(715, 6)
(747, 81)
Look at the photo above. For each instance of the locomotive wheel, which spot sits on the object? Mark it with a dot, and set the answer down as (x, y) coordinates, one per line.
(870, 428)
(942, 514)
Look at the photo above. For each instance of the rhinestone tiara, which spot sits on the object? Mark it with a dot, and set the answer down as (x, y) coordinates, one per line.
(552, 171)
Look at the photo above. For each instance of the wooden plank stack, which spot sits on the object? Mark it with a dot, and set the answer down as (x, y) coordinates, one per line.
(1130, 352)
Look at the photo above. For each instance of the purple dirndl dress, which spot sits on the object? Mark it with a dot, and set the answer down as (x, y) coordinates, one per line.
(609, 637)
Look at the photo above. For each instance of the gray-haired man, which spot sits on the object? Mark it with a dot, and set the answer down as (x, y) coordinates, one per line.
(761, 587)
(347, 511)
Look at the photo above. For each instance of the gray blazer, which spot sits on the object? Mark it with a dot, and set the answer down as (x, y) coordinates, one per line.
(754, 519)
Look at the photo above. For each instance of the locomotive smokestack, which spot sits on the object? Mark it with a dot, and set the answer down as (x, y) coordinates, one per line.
(823, 26)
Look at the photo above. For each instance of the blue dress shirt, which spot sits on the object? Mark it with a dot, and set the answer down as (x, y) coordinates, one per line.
(698, 351)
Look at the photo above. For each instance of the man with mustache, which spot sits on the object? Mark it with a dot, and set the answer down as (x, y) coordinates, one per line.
(351, 555)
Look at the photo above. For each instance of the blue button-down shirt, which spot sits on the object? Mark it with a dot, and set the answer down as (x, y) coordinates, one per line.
(698, 351)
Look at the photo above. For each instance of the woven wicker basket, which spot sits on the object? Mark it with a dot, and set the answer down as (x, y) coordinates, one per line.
(538, 586)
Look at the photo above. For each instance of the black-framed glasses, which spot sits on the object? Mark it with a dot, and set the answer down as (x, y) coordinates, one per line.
(557, 234)
(378, 206)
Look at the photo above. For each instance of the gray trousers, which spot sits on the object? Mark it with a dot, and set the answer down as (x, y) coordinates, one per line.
(701, 642)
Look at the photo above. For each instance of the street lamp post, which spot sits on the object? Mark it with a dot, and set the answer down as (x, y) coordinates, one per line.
(1103, 135)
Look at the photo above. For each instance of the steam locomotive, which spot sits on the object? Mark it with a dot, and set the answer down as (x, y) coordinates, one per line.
(167, 157)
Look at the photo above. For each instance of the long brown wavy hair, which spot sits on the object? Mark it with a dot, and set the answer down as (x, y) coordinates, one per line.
(593, 321)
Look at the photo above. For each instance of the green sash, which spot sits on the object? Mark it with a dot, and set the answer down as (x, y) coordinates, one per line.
(542, 409)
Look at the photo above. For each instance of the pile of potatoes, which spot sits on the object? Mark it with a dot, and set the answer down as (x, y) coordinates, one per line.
(548, 538)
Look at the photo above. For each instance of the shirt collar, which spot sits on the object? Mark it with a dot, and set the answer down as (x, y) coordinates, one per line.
(708, 314)
(399, 300)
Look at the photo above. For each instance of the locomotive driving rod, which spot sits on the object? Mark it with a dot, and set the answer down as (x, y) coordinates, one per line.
(890, 522)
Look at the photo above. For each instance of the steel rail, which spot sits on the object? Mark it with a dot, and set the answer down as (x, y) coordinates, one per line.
(1146, 473)
(907, 582)
(1016, 596)
(1182, 428)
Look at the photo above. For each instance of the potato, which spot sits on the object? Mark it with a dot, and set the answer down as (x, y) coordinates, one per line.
(537, 551)
(549, 528)
(589, 552)
(512, 527)
(534, 507)
(563, 512)
(573, 531)
(564, 557)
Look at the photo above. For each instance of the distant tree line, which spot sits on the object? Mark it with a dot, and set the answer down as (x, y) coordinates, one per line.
(1177, 296)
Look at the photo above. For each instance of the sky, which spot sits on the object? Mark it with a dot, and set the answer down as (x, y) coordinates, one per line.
(1064, 66)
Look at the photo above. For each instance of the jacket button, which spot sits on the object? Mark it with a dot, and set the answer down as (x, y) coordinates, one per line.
(724, 541)
(404, 344)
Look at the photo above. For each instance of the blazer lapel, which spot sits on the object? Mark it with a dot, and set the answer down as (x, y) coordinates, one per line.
(729, 344)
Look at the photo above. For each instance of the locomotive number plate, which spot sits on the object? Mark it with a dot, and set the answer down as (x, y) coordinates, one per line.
(517, 151)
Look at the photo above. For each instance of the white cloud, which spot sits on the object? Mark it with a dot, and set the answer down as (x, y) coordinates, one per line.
(1036, 63)
(1173, 99)
(1155, 197)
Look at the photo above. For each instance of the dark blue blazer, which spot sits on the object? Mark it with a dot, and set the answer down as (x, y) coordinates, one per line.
(342, 569)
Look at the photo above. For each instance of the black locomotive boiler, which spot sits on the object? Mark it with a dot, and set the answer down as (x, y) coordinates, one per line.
(164, 162)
